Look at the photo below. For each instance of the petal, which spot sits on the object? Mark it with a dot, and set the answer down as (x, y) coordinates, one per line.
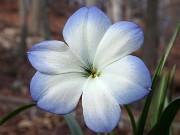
(120, 40)
(57, 94)
(54, 57)
(129, 79)
(101, 111)
(84, 30)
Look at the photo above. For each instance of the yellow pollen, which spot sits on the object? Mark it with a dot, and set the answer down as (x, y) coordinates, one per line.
(94, 74)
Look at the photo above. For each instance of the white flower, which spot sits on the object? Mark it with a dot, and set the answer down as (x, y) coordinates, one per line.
(95, 64)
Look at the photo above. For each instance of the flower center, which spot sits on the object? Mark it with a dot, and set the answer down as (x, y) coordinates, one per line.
(94, 75)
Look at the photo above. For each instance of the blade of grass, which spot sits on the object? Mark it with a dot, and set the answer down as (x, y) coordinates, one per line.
(159, 101)
(112, 133)
(170, 96)
(73, 125)
(142, 120)
(166, 103)
(166, 119)
(132, 119)
(143, 116)
(172, 83)
(15, 112)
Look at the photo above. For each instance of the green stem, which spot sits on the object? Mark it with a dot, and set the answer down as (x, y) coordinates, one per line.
(15, 112)
(132, 119)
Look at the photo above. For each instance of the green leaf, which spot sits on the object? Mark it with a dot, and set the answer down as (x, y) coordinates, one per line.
(15, 112)
(159, 101)
(112, 133)
(166, 119)
(166, 103)
(73, 125)
(170, 96)
(143, 116)
(172, 83)
(132, 119)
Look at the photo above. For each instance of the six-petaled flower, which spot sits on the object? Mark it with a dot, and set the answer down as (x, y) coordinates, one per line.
(94, 63)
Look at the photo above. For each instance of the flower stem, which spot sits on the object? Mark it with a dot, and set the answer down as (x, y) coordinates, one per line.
(132, 119)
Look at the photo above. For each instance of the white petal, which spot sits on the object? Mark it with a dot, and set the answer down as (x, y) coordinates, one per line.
(120, 40)
(54, 57)
(58, 94)
(101, 111)
(84, 30)
(129, 79)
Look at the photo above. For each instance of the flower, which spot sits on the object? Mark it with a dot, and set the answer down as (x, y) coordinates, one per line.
(94, 63)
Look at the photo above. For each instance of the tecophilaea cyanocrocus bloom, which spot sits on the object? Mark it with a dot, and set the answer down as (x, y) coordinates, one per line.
(94, 63)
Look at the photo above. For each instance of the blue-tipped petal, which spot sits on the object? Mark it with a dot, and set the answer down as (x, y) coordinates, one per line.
(54, 57)
(101, 111)
(128, 79)
(57, 94)
(121, 39)
(84, 30)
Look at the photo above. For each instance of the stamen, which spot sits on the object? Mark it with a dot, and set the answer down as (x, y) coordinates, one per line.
(94, 75)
